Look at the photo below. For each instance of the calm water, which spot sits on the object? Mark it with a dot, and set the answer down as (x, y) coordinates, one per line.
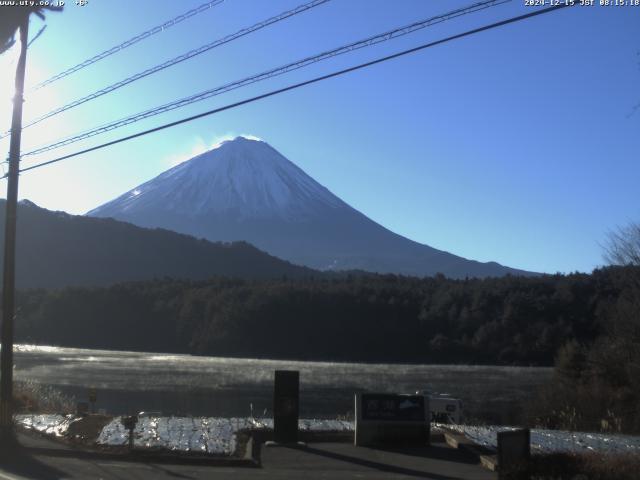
(185, 384)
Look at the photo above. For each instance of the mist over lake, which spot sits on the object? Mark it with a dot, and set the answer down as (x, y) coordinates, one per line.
(226, 387)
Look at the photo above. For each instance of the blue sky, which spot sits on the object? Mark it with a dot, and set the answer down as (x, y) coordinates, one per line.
(514, 145)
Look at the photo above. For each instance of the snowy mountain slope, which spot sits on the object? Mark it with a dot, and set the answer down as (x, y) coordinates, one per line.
(245, 177)
(245, 190)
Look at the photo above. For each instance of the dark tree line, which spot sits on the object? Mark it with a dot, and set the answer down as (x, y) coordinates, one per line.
(509, 320)
(596, 385)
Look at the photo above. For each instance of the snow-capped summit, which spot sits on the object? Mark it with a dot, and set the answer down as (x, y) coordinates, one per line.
(243, 189)
(243, 177)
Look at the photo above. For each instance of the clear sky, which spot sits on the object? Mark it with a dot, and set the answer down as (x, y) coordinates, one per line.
(514, 145)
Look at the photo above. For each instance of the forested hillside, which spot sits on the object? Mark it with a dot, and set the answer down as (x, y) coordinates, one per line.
(56, 249)
(510, 320)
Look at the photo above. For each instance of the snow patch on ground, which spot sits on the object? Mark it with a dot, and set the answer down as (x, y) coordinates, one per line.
(549, 441)
(215, 435)
(204, 434)
(51, 424)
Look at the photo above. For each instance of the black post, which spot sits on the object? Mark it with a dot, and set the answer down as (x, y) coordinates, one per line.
(129, 422)
(286, 394)
(9, 274)
(131, 428)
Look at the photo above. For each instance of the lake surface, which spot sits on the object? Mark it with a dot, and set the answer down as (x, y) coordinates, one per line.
(225, 387)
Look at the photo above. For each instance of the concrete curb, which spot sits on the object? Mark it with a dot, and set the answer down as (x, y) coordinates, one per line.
(143, 456)
(66, 450)
(487, 457)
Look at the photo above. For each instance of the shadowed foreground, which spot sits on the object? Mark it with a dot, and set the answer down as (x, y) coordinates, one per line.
(41, 459)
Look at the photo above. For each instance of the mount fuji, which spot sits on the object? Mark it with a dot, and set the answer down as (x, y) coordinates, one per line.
(246, 190)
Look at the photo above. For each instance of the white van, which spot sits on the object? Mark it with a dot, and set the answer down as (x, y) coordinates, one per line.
(443, 407)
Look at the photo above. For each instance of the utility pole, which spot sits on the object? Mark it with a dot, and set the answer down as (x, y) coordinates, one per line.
(9, 274)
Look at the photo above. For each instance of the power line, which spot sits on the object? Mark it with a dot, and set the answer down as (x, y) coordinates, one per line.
(40, 32)
(301, 84)
(180, 58)
(382, 37)
(132, 41)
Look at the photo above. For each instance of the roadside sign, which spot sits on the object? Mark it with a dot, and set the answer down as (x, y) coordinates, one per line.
(392, 408)
(383, 418)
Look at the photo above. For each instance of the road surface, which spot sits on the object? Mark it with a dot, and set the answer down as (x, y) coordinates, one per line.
(47, 460)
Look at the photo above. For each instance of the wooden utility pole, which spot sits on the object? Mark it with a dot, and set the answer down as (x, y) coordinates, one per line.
(9, 274)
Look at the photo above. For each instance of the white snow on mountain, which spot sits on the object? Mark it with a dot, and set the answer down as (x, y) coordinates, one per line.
(243, 189)
(243, 176)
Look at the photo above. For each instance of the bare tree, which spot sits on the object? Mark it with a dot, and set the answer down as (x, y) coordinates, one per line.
(623, 245)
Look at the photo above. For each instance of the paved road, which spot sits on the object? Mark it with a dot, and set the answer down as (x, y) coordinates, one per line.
(345, 461)
(318, 461)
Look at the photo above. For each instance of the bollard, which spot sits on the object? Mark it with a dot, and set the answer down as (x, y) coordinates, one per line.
(514, 454)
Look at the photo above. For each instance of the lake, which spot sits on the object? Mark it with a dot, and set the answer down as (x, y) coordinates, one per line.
(228, 387)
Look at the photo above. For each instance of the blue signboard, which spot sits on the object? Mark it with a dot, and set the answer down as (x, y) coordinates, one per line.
(389, 407)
